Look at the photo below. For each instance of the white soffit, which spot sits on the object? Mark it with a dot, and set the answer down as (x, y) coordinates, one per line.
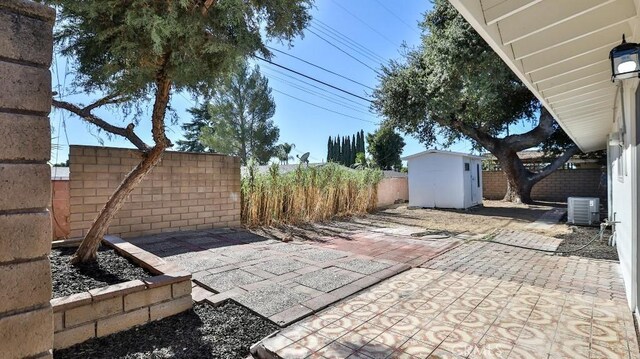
(560, 49)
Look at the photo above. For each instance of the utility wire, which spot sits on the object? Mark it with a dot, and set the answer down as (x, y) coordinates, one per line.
(396, 16)
(345, 43)
(316, 87)
(327, 98)
(314, 79)
(320, 67)
(320, 24)
(324, 108)
(365, 23)
(344, 52)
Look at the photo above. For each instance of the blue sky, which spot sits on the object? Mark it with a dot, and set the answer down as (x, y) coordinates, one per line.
(377, 28)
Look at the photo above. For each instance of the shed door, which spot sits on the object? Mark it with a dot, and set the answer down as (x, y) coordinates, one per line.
(475, 182)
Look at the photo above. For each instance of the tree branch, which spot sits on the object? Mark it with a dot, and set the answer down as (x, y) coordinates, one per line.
(559, 161)
(535, 136)
(86, 115)
(107, 100)
(205, 7)
(487, 141)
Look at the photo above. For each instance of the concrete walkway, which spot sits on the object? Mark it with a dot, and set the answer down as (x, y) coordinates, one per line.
(283, 282)
(478, 300)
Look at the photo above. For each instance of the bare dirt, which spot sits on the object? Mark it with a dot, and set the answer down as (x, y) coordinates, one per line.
(578, 236)
(479, 220)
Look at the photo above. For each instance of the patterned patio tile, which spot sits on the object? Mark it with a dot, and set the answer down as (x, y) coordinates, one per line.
(224, 281)
(270, 300)
(325, 280)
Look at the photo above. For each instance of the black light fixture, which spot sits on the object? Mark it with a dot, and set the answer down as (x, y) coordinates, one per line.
(625, 60)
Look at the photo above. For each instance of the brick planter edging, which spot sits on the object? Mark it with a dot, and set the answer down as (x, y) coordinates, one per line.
(111, 309)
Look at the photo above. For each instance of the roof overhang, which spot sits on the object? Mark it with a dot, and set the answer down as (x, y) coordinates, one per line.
(560, 50)
(440, 152)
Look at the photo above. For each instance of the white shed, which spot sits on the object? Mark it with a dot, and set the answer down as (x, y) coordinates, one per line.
(443, 179)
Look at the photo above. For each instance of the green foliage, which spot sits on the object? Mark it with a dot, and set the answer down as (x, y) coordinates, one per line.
(241, 111)
(308, 194)
(453, 80)
(343, 150)
(283, 152)
(117, 45)
(192, 130)
(385, 146)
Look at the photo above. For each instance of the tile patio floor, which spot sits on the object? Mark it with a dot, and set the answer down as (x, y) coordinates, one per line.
(283, 282)
(478, 300)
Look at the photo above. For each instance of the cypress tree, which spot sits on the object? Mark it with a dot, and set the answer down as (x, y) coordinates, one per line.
(329, 149)
(354, 150)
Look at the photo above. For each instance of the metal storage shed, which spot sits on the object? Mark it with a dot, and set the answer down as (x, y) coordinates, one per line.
(443, 179)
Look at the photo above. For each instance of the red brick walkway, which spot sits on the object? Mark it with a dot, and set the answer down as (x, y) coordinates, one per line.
(398, 248)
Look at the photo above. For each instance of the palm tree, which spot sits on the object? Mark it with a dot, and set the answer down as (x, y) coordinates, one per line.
(283, 152)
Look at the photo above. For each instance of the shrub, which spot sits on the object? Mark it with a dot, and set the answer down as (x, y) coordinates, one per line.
(308, 194)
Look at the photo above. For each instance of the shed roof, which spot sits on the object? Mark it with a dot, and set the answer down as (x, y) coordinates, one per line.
(60, 173)
(451, 153)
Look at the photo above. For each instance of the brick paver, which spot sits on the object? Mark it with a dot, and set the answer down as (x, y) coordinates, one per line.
(286, 281)
(394, 244)
(479, 300)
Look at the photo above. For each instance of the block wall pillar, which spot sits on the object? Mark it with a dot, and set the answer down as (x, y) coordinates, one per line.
(26, 322)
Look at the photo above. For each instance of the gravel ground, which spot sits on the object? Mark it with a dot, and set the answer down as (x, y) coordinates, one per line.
(204, 332)
(110, 268)
(579, 236)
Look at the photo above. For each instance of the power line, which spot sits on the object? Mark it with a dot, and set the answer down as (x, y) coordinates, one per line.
(316, 87)
(321, 68)
(364, 22)
(314, 79)
(396, 16)
(324, 108)
(327, 98)
(344, 52)
(349, 44)
(326, 27)
(338, 102)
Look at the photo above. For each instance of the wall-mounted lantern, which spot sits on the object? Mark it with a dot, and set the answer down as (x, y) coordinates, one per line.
(625, 61)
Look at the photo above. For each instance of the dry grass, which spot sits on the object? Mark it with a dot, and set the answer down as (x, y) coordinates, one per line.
(308, 194)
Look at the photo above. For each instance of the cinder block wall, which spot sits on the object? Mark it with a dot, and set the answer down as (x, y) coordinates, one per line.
(186, 191)
(392, 189)
(26, 320)
(556, 187)
(60, 210)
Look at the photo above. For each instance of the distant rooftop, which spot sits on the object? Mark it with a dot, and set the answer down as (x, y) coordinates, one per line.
(60, 173)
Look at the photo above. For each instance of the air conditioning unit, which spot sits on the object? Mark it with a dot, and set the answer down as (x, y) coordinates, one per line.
(583, 210)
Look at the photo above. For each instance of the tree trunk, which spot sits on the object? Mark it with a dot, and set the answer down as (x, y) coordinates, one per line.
(519, 184)
(88, 249)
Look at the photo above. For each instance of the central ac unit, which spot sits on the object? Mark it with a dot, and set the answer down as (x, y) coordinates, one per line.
(583, 210)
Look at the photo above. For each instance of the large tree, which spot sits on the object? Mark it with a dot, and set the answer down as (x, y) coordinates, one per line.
(192, 129)
(385, 147)
(241, 110)
(139, 50)
(455, 87)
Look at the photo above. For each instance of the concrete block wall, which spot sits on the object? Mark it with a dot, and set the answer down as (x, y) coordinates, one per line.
(392, 189)
(556, 187)
(60, 210)
(26, 320)
(186, 191)
(111, 309)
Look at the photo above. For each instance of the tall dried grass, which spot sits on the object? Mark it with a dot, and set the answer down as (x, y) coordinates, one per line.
(308, 194)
